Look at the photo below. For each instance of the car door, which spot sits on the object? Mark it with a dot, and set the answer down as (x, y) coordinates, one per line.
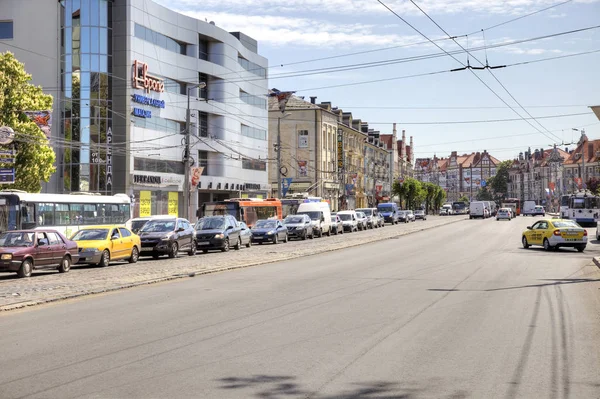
(118, 247)
(127, 238)
(234, 233)
(534, 235)
(281, 232)
(183, 239)
(43, 251)
(57, 246)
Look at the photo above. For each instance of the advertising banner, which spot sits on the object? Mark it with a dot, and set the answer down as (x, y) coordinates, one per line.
(145, 203)
(43, 119)
(173, 204)
(195, 174)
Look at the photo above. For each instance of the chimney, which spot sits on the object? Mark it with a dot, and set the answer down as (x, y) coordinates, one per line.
(403, 147)
(313, 99)
(412, 150)
(590, 151)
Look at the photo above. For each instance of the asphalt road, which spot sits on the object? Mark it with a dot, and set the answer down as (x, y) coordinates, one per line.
(458, 311)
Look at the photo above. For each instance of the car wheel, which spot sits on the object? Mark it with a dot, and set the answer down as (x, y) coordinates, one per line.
(275, 239)
(329, 233)
(173, 249)
(65, 264)
(304, 235)
(225, 246)
(25, 269)
(249, 244)
(135, 255)
(342, 231)
(104, 258)
(336, 231)
(525, 243)
(580, 248)
(193, 248)
(285, 240)
(238, 245)
(547, 245)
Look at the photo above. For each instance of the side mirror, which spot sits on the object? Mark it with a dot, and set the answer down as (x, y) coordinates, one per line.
(229, 227)
(180, 229)
(529, 228)
(115, 237)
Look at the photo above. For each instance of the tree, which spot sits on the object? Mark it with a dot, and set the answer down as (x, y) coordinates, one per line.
(593, 184)
(414, 193)
(484, 194)
(499, 183)
(430, 192)
(440, 197)
(464, 198)
(400, 190)
(35, 158)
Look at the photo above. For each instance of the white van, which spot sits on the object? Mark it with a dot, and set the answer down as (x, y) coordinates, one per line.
(477, 210)
(319, 214)
(528, 208)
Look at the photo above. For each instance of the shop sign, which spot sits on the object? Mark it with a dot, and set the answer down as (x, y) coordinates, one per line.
(173, 204)
(145, 203)
(143, 80)
(109, 140)
(252, 186)
(142, 113)
(340, 151)
(145, 179)
(153, 102)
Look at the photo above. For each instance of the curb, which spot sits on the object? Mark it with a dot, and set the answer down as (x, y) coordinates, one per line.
(596, 260)
(24, 304)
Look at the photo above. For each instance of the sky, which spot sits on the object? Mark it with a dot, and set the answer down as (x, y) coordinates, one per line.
(296, 35)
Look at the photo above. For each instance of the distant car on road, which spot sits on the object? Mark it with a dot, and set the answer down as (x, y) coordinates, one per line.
(504, 213)
(373, 220)
(23, 251)
(411, 216)
(403, 217)
(337, 227)
(363, 223)
(555, 233)
(420, 214)
(162, 236)
(218, 232)
(267, 230)
(299, 226)
(349, 220)
(539, 210)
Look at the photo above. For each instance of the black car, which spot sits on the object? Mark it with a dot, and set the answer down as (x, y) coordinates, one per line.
(162, 236)
(269, 231)
(218, 232)
(299, 226)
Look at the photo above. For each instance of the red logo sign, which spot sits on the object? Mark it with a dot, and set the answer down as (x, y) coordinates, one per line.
(143, 80)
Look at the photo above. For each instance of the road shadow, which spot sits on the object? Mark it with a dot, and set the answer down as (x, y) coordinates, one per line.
(551, 282)
(283, 386)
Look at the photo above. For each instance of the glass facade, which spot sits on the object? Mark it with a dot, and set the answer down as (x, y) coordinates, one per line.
(250, 99)
(252, 67)
(159, 39)
(253, 132)
(86, 98)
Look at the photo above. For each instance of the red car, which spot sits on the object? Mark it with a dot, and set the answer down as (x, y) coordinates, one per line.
(23, 251)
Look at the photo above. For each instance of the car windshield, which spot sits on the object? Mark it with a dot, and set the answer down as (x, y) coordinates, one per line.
(213, 223)
(293, 219)
(90, 235)
(385, 208)
(315, 215)
(138, 224)
(265, 224)
(367, 212)
(345, 216)
(401, 213)
(565, 223)
(158, 226)
(419, 212)
(16, 239)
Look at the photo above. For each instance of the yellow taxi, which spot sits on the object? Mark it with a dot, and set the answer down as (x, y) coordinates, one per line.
(99, 245)
(555, 233)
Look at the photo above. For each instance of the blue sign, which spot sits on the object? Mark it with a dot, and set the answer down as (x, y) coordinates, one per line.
(138, 98)
(142, 113)
(285, 185)
(483, 183)
(7, 175)
(7, 160)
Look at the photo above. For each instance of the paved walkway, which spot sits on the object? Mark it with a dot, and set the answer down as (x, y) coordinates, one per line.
(48, 286)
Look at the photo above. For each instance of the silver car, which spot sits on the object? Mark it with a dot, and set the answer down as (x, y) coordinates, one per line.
(362, 221)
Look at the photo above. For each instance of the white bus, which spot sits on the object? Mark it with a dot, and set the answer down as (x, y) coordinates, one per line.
(584, 208)
(63, 212)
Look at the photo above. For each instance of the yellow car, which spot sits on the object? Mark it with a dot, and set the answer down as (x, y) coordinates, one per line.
(555, 233)
(99, 245)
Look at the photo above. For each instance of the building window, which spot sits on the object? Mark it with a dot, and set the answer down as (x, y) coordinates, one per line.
(160, 124)
(203, 49)
(160, 40)
(252, 67)
(302, 138)
(158, 165)
(250, 99)
(203, 162)
(173, 86)
(203, 93)
(6, 30)
(253, 132)
(254, 164)
(203, 124)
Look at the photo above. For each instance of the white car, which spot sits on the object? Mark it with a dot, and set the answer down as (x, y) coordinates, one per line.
(363, 221)
(504, 213)
(410, 215)
(349, 220)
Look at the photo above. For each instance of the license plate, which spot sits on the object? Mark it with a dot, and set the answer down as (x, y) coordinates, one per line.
(259, 238)
(571, 239)
(203, 243)
(147, 249)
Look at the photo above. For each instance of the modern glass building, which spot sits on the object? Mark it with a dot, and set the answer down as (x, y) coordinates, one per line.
(120, 72)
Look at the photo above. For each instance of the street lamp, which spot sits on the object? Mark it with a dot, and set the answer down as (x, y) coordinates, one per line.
(186, 155)
(582, 142)
(278, 148)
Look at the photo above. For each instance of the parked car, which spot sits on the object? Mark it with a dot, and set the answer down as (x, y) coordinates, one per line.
(362, 221)
(443, 212)
(218, 233)
(320, 214)
(420, 214)
(245, 234)
(380, 219)
(135, 224)
(268, 230)
(99, 245)
(403, 217)
(23, 251)
(161, 236)
(504, 213)
(373, 220)
(389, 211)
(411, 216)
(349, 220)
(299, 226)
(337, 227)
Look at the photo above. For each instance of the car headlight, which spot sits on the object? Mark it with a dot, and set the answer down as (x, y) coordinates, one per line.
(270, 233)
(6, 256)
(219, 236)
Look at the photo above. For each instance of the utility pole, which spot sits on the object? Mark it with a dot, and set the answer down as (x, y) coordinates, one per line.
(278, 149)
(582, 141)
(186, 154)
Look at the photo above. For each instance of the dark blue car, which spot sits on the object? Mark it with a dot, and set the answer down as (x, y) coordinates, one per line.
(269, 231)
(389, 211)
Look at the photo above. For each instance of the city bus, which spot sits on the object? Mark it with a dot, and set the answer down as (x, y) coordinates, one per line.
(514, 204)
(247, 210)
(459, 208)
(66, 213)
(584, 208)
(564, 206)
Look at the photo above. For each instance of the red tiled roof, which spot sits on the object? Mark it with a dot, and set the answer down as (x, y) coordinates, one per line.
(591, 151)
(387, 140)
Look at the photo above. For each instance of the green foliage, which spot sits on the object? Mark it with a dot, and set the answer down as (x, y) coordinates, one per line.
(440, 198)
(413, 193)
(35, 158)
(499, 183)
(464, 198)
(484, 194)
